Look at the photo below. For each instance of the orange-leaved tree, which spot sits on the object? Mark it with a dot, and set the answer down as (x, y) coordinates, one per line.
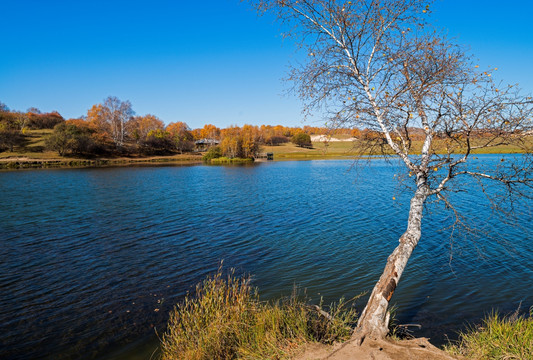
(138, 127)
(182, 136)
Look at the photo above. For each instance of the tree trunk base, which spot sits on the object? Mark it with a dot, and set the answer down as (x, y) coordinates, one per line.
(377, 331)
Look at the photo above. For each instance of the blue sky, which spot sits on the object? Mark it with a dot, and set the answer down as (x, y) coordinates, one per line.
(212, 61)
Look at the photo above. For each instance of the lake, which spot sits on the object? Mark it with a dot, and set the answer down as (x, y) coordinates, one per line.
(92, 260)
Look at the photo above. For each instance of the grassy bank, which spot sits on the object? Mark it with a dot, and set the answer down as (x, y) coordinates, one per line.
(497, 337)
(23, 162)
(226, 320)
(225, 160)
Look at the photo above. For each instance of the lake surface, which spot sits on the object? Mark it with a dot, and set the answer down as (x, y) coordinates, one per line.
(92, 260)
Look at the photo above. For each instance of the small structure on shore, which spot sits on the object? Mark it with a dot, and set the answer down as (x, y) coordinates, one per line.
(204, 144)
(264, 156)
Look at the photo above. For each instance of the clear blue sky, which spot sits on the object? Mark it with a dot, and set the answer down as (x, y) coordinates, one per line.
(211, 61)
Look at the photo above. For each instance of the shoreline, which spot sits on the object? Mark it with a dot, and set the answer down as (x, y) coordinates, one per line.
(25, 163)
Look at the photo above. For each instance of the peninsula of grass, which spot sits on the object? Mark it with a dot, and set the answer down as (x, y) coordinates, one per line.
(225, 319)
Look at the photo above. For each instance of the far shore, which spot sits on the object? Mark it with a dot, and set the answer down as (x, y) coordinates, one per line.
(25, 162)
(320, 150)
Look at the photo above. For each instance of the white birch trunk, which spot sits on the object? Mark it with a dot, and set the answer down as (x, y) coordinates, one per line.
(374, 320)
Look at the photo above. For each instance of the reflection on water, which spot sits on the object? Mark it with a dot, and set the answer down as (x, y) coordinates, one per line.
(94, 259)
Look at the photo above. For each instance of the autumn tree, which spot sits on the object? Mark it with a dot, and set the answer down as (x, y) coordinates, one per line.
(231, 143)
(97, 122)
(110, 119)
(38, 120)
(157, 141)
(196, 134)
(10, 131)
(272, 135)
(69, 137)
(379, 65)
(138, 127)
(251, 140)
(12, 127)
(181, 136)
(210, 131)
(21, 120)
(239, 142)
(355, 132)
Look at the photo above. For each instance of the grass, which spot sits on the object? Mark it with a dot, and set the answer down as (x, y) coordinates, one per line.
(344, 149)
(338, 149)
(226, 320)
(498, 337)
(34, 147)
(226, 160)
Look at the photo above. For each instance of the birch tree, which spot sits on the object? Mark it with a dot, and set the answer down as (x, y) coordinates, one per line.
(380, 65)
(116, 113)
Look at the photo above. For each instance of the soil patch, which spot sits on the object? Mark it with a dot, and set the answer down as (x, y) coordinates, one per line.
(415, 349)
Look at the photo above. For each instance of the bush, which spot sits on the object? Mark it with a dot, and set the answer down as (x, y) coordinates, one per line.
(302, 140)
(213, 153)
(69, 137)
(44, 121)
(226, 320)
(157, 142)
(277, 140)
(497, 338)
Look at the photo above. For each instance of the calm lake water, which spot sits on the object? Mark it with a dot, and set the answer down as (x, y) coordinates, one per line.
(92, 260)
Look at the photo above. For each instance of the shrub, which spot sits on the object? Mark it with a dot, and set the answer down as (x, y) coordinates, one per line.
(44, 121)
(157, 142)
(213, 153)
(226, 320)
(277, 140)
(69, 137)
(302, 140)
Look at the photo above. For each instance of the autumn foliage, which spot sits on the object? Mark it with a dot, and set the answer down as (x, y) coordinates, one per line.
(112, 127)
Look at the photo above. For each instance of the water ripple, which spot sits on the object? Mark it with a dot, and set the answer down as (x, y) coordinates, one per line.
(93, 253)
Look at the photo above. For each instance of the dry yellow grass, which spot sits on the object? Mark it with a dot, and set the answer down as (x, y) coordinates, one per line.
(344, 149)
(34, 150)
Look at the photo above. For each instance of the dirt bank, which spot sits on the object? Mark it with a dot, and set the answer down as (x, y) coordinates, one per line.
(415, 349)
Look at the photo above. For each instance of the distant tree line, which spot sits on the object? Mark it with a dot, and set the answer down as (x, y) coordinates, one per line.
(113, 128)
